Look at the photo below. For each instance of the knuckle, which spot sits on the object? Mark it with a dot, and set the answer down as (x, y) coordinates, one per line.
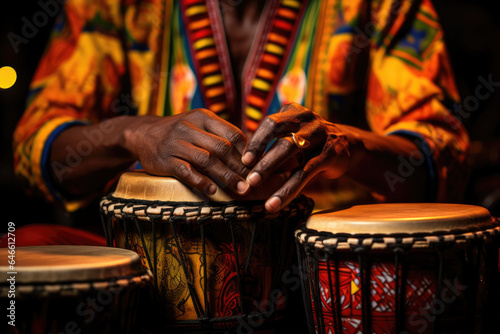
(242, 170)
(236, 137)
(223, 147)
(286, 145)
(198, 182)
(270, 122)
(335, 145)
(294, 105)
(205, 111)
(182, 128)
(287, 192)
(253, 146)
(203, 159)
(182, 170)
(199, 115)
(295, 109)
(302, 176)
(229, 176)
(161, 155)
(264, 164)
(225, 178)
(188, 114)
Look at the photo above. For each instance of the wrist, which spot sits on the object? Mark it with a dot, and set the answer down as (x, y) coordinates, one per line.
(133, 133)
(132, 129)
(355, 144)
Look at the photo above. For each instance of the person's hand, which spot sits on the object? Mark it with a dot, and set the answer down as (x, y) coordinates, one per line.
(319, 147)
(197, 147)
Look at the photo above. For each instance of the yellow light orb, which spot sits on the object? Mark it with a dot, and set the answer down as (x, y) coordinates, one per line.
(8, 77)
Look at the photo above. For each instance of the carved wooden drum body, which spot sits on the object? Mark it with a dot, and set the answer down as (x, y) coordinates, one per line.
(217, 262)
(399, 268)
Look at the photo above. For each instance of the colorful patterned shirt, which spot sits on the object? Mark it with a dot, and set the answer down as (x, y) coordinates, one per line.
(380, 65)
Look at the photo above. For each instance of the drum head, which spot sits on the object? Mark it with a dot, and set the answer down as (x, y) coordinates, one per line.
(68, 263)
(401, 218)
(142, 186)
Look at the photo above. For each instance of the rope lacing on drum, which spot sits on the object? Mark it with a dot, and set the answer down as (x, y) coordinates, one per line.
(328, 242)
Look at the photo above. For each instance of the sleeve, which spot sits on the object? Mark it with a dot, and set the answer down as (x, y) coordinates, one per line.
(76, 82)
(411, 90)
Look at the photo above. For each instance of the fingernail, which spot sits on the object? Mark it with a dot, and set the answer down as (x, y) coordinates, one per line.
(273, 203)
(254, 179)
(248, 158)
(242, 187)
(211, 189)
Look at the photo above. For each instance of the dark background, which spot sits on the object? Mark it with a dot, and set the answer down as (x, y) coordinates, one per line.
(472, 32)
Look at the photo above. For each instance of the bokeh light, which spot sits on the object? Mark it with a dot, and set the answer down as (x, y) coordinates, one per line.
(8, 77)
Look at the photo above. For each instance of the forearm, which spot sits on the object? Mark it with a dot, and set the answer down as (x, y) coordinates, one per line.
(392, 166)
(84, 158)
(197, 147)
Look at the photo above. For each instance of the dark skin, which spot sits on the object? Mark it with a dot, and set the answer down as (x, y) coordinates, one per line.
(202, 150)
(240, 23)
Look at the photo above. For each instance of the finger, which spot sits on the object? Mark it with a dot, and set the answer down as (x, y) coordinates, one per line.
(210, 166)
(228, 131)
(222, 148)
(288, 119)
(282, 150)
(292, 187)
(185, 172)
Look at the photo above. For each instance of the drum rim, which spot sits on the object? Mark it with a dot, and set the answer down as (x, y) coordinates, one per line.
(75, 288)
(330, 242)
(125, 263)
(393, 218)
(164, 211)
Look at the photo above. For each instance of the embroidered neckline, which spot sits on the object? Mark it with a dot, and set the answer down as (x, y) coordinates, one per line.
(266, 60)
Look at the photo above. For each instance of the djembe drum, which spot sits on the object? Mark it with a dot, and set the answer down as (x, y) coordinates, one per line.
(400, 268)
(73, 289)
(217, 262)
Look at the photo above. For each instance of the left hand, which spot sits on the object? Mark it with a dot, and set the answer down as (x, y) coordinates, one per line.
(327, 152)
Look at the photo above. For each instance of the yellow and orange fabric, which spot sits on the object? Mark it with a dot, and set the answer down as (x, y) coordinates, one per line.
(382, 64)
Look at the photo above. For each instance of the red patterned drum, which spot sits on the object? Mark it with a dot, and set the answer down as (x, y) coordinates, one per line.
(399, 268)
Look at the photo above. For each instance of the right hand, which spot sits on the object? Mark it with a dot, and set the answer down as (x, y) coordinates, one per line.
(196, 147)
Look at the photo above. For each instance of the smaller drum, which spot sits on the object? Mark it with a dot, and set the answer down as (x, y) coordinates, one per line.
(400, 268)
(73, 289)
